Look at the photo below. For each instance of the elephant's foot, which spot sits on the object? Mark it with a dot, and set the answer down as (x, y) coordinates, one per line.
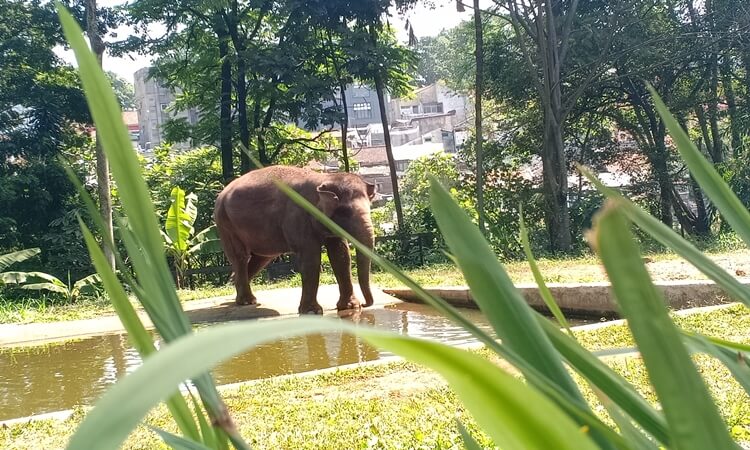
(246, 301)
(310, 308)
(348, 303)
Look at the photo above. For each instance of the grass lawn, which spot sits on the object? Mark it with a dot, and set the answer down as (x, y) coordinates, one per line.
(582, 269)
(398, 405)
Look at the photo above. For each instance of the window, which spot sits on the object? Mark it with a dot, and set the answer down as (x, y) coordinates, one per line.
(362, 110)
(164, 106)
(432, 108)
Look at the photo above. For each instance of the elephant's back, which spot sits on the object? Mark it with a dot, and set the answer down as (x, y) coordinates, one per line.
(256, 209)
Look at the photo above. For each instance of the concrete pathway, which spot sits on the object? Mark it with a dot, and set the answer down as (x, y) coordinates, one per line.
(273, 303)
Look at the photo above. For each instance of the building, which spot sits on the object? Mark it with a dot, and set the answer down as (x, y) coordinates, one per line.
(373, 162)
(130, 117)
(432, 114)
(153, 102)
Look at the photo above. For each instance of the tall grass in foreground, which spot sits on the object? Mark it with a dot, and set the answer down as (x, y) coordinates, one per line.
(547, 411)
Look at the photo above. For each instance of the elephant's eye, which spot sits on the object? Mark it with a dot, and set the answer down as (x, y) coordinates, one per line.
(343, 211)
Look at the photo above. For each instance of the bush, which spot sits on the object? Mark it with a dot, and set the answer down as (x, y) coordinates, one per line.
(197, 171)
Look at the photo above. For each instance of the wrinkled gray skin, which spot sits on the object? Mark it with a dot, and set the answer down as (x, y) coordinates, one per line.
(257, 222)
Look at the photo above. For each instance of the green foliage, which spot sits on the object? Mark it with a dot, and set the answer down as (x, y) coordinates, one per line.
(40, 281)
(43, 117)
(11, 258)
(181, 240)
(197, 171)
(123, 90)
(546, 410)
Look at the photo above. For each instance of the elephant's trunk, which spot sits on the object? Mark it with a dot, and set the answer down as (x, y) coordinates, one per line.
(365, 236)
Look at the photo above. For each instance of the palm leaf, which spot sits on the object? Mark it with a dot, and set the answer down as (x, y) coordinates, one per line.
(11, 258)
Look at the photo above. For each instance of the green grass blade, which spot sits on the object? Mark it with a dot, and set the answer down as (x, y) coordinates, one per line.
(670, 239)
(544, 291)
(11, 258)
(575, 406)
(177, 442)
(610, 383)
(510, 411)
(123, 406)
(469, 442)
(491, 288)
(208, 434)
(738, 362)
(134, 194)
(137, 333)
(631, 433)
(507, 409)
(726, 201)
(113, 135)
(736, 346)
(692, 417)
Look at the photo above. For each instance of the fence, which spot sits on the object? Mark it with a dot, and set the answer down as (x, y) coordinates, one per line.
(214, 269)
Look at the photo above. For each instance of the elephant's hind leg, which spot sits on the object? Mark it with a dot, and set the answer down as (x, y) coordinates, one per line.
(238, 258)
(254, 266)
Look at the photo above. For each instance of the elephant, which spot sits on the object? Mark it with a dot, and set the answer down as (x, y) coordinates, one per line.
(257, 222)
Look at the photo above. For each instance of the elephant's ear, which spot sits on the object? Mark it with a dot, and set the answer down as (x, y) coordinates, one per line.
(370, 190)
(327, 199)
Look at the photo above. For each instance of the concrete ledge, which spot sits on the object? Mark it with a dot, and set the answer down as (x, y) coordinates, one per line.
(272, 303)
(587, 299)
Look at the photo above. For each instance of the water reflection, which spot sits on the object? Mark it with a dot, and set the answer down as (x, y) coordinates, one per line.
(59, 376)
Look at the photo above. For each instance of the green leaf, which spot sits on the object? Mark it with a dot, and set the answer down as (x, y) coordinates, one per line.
(491, 288)
(544, 291)
(575, 406)
(737, 361)
(469, 442)
(609, 382)
(507, 409)
(178, 442)
(721, 195)
(634, 436)
(179, 224)
(673, 241)
(694, 421)
(87, 285)
(50, 287)
(155, 286)
(510, 411)
(206, 241)
(137, 333)
(8, 259)
(31, 277)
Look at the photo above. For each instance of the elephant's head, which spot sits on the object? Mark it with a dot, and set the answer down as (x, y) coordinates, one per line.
(345, 198)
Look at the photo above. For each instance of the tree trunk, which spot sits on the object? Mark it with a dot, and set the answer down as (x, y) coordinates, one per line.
(233, 28)
(734, 119)
(102, 165)
(661, 173)
(717, 153)
(478, 90)
(380, 90)
(555, 166)
(344, 129)
(225, 108)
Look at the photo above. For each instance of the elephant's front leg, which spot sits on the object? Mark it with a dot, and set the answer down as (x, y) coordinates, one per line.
(310, 271)
(341, 263)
